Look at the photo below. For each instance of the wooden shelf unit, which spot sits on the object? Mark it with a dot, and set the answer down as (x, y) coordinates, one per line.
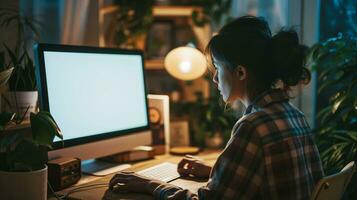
(202, 34)
(154, 64)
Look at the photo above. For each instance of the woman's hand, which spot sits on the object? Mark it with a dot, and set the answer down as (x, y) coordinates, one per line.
(191, 166)
(133, 182)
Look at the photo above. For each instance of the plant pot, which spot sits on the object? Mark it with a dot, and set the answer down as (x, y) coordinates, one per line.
(24, 185)
(19, 101)
(214, 142)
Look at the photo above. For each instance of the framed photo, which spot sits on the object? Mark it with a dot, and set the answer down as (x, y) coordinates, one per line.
(179, 133)
(159, 118)
(160, 39)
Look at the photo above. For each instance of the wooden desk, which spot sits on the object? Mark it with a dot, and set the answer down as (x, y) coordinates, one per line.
(102, 192)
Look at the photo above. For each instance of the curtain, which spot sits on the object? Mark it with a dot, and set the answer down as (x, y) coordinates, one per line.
(274, 11)
(75, 15)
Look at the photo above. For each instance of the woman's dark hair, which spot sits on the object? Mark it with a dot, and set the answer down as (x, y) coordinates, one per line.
(248, 41)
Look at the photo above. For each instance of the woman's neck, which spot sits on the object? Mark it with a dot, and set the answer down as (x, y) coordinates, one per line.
(251, 95)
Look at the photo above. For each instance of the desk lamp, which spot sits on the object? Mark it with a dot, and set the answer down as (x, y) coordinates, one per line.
(185, 63)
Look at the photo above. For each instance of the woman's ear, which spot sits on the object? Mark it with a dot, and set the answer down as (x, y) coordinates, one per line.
(241, 72)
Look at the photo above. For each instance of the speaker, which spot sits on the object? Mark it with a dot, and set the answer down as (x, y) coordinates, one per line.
(64, 172)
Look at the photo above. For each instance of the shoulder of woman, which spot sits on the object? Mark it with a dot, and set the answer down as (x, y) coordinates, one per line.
(254, 118)
(250, 123)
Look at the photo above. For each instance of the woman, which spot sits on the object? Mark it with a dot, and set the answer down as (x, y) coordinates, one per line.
(271, 153)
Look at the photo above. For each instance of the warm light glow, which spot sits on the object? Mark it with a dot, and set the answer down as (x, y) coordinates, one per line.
(185, 63)
(185, 66)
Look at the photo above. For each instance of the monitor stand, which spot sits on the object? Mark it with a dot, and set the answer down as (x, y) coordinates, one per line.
(102, 168)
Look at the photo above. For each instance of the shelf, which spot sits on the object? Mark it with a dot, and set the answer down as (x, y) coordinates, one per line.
(154, 64)
(108, 9)
(174, 11)
(159, 11)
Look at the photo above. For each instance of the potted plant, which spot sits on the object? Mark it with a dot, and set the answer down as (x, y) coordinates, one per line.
(335, 62)
(132, 22)
(22, 96)
(23, 158)
(4, 75)
(213, 11)
(5, 72)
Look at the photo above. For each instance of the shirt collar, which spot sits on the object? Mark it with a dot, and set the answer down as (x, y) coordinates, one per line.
(268, 97)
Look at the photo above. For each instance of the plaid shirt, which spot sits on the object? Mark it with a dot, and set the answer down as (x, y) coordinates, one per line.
(270, 155)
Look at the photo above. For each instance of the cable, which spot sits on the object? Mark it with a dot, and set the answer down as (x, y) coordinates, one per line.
(78, 189)
(53, 192)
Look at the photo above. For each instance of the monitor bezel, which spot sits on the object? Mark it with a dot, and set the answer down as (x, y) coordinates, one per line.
(41, 79)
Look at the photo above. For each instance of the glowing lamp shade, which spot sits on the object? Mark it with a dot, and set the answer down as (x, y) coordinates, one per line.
(185, 63)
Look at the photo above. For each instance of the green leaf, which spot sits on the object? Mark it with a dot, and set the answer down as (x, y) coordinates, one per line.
(29, 156)
(342, 138)
(337, 103)
(353, 136)
(10, 139)
(5, 76)
(315, 51)
(10, 19)
(209, 115)
(224, 122)
(42, 130)
(52, 121)
(2, 61)
(5, 118)
(12, 55)
(32, 26)
(322, 113)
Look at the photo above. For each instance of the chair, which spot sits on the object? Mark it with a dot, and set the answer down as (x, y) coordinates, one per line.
(332, 187)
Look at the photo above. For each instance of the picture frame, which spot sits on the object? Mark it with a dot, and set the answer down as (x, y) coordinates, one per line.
(159, 118)
(160, 39)
(179, 133)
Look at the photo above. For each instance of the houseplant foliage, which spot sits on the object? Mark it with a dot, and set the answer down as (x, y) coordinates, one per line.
(5, 71)
(5, 74)
(23, 157)
(21, 153)
(335, 61)
(133, 20)
(212, 11)
(23, 76)
(22, 97)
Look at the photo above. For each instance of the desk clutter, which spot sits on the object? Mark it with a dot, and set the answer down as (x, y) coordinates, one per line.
(64, 172)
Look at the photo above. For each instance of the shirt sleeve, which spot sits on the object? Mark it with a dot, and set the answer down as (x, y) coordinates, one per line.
(237, 173)
(313, 157)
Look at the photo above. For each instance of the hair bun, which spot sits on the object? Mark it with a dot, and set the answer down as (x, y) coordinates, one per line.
(288, 58)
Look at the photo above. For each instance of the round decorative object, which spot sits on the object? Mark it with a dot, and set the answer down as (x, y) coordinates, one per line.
(185, 63)
(184, 150)
(154, 115)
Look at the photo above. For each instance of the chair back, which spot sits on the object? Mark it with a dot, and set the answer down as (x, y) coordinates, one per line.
(332, 187)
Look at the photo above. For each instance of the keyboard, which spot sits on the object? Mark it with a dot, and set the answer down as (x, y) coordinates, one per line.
(165, 171)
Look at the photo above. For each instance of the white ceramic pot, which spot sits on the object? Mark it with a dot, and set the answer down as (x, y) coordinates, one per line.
(24, 185)
(19, 101)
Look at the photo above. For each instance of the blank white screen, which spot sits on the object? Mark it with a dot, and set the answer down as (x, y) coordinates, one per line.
(92, 93)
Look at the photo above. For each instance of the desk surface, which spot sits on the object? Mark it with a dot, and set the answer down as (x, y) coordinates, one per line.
(101, 191)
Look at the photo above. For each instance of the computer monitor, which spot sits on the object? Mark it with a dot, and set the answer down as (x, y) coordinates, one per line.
(96, 95)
